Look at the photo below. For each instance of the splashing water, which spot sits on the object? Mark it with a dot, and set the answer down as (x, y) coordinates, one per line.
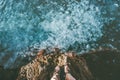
(42, 23)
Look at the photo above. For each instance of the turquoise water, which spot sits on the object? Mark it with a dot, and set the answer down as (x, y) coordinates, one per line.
(27, 25)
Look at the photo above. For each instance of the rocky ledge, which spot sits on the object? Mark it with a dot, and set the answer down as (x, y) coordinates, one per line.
(56, 65)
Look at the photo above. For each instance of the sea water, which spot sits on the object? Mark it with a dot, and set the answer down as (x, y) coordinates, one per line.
(78, 25)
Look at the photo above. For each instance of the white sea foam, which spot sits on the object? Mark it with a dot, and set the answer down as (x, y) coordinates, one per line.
(27, 24)
(76, 24)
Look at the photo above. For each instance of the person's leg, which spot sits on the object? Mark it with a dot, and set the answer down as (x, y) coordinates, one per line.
(68, 75)
(56, 74)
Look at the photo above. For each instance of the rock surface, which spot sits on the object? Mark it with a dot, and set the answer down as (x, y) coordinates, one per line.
(94, 65)
(42, 67)
(8, 74)
(104, 64)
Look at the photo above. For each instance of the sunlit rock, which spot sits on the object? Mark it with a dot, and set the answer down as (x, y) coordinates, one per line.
(101, 64)
(43, 67)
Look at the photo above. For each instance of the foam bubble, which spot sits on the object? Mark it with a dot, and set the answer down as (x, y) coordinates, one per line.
(25, 25)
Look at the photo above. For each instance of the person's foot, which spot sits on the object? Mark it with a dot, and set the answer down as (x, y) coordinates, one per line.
(68, 75)
(66, 69)
(56, 74)
(57, 69)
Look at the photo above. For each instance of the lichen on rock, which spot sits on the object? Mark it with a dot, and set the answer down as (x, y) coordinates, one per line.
(101, 64)
(43, 67)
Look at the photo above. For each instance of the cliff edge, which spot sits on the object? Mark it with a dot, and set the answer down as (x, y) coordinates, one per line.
(56, 65)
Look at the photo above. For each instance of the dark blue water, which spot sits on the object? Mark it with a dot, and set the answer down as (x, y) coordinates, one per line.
(78, 25)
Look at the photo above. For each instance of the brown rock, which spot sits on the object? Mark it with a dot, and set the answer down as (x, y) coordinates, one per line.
(42, 68)
(101, 64)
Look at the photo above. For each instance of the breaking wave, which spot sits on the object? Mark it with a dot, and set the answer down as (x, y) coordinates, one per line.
(27, 25)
